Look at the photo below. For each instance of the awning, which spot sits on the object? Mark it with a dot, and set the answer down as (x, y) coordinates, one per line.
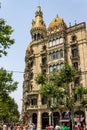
(65, 120)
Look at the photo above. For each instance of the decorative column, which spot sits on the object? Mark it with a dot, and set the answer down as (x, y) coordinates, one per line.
(86, 117)
(39, 120)
(50, 118)
(39, 113)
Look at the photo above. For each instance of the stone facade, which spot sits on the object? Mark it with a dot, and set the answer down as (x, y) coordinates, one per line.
(49, 49)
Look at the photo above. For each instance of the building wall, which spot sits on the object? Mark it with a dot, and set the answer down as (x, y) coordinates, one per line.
(67, 45)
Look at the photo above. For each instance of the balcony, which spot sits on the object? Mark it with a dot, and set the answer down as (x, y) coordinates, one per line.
(33, 93)
(43, 65)
(31, 56)
(32, 107)
(74, 57)
(43, 106)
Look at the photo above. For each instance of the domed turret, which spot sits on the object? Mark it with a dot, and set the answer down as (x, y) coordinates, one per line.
(56, 23)
(38, 29)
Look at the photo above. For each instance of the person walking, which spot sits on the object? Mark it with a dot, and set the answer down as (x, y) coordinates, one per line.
(32, 126)
(48, 127)
(64, 127)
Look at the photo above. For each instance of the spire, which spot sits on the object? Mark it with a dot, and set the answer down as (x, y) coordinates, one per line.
(38, 12)
(38, 25)
(38, 22)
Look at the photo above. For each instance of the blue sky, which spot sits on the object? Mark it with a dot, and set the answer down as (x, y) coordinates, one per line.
(19, 15)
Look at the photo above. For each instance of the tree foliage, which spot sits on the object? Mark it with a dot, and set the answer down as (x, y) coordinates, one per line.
(57, 85)
(50, 90)
(8, 110)
(41, 78)
(8, 107)
(7, 85)
(81, 92)
(67, 74)
(5, 37)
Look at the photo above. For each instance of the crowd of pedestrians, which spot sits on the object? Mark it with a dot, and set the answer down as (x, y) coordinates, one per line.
(57, 127)
(65, 126)
(17, 126)
(32, 126)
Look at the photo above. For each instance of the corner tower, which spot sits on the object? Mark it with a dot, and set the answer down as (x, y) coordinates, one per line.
(35, 62)
(38, 30)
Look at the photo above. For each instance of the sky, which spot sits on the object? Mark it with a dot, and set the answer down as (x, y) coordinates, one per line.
(19, 15)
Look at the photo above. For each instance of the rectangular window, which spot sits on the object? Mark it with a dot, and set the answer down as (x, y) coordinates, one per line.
(61, 40)
(50, 69)
(61, 53)
(50, 44)
(54, 55)
(34, 101)
(44, 60)
(74, 52)
(54, 43)
(75, 64)
(57, 41)
(44, 101)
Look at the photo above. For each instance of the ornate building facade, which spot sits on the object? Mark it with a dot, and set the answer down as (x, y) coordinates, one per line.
(49, 49)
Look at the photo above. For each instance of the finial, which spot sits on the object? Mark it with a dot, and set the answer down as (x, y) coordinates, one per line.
(38, 8)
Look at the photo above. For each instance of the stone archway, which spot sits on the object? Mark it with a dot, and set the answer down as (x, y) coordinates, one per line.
(79, 117)
(45, 120)
(34, 119)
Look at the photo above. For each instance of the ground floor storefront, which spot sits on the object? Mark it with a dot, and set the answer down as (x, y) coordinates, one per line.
(41, 119)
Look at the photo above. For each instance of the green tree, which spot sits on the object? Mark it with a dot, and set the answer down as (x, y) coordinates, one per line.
(67, 75)
(7, 85)
(81, 93)
(8, 110)
(8, 107)
(50, 90)
(5, 37)
(56, 86)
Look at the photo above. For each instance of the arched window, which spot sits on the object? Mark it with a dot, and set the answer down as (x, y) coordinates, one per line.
(56, 118)
(34, 119)
(45, 120)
